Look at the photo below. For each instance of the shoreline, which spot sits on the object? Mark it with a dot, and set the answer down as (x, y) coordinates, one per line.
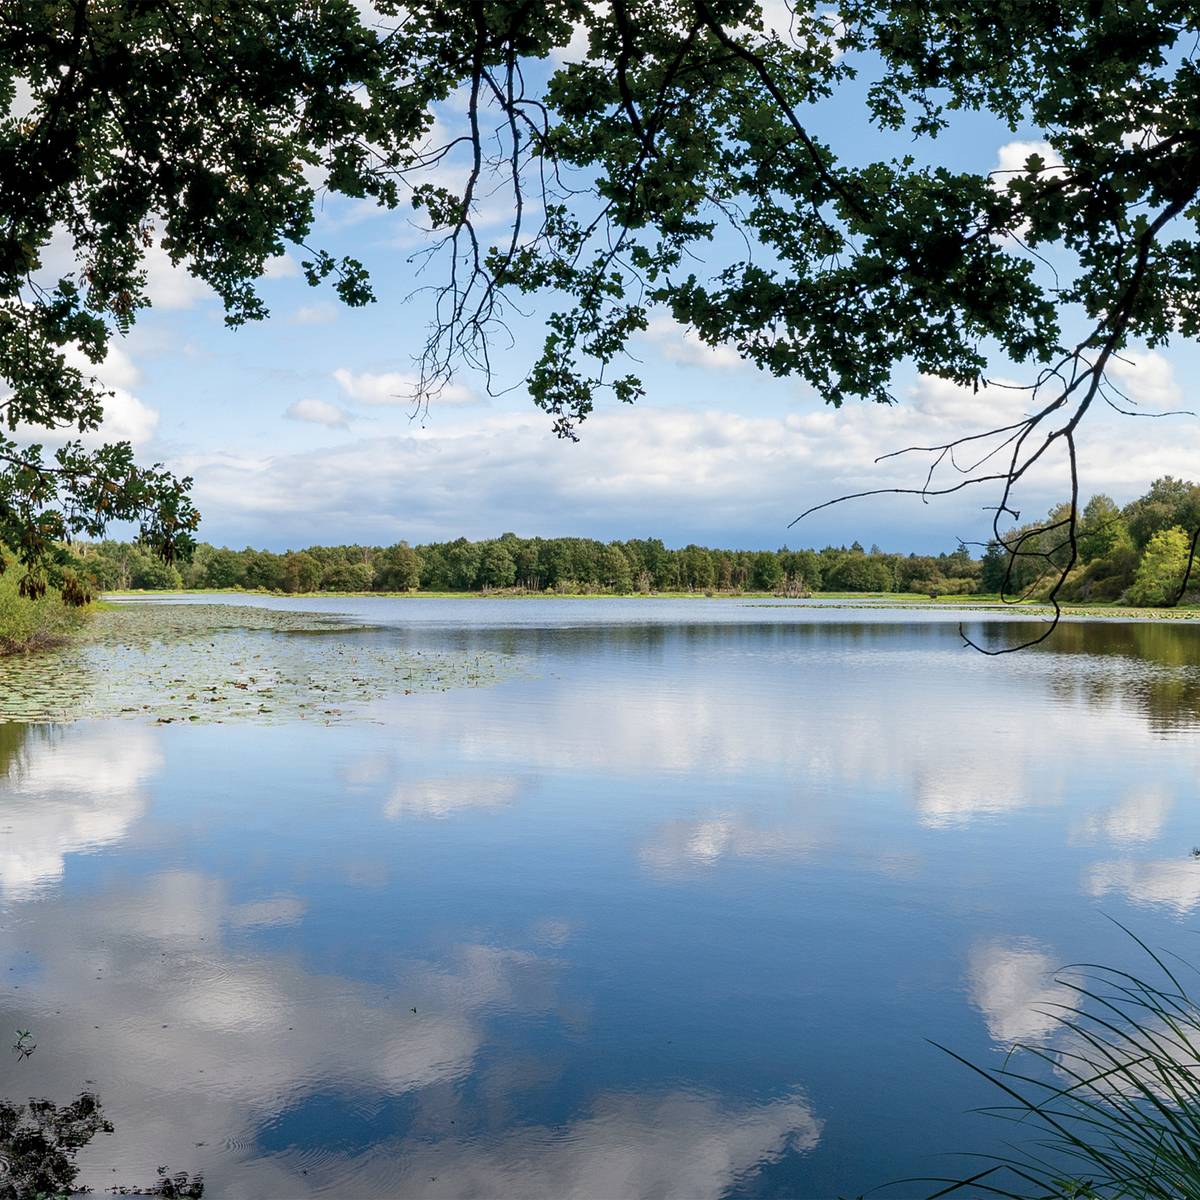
(824, 600)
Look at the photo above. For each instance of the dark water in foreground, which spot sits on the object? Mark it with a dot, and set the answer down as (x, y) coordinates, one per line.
(669, 912)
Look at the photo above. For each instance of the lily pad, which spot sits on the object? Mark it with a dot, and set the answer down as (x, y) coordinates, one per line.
(210, 663)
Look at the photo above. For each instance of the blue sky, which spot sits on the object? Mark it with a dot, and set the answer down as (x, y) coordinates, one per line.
(296, 430)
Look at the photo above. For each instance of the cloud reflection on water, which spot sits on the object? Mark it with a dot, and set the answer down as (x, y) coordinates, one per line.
(684, 844)
(201, 1043)
(1170, 883)
(201, 1040)
(675, 1145)
(68, 794)
(441, 796)
(1012, 983)
(1139, 816)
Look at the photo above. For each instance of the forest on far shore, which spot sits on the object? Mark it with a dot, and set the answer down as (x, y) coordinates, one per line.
(1138, 553)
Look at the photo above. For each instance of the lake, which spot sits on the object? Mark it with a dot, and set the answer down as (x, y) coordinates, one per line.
(671, 903)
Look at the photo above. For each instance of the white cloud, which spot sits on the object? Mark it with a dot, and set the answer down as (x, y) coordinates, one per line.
(169, 955)
(126, 418)
(318, 412)
(394, 388)
(315, 314)
(1012, 157)
(169, 286)
(22, 103)
(1010, 163)
(116, 370)
(703, 471)
(953, 789)
(1147, 378)
(678, 343)
(947, 403)
(785, 18)
(778, 18)
(269, 913)
(282, 266)
(371, 16)
(576, 50)
(1012, 984)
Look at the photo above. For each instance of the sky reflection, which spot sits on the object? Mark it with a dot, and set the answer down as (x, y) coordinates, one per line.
(672, 913)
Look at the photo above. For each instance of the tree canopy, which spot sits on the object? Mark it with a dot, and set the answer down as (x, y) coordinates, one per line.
(679, 157)
(1131, 554)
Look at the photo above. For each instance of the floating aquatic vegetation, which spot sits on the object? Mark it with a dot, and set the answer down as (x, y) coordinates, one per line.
(215, 662)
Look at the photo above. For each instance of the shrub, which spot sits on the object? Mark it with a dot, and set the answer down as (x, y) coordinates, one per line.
(1161, 570)
(32, 624)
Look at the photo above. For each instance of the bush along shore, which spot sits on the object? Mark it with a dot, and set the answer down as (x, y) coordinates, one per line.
(33, 624)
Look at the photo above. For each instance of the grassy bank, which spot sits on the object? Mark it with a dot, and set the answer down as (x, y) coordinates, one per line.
(28, 625)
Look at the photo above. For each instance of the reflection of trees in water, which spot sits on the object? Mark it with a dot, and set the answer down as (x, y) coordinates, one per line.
(586, 641)
(1159, 672)
(19, 741)
(39, 1141)
(1153, 666)
(13, 739)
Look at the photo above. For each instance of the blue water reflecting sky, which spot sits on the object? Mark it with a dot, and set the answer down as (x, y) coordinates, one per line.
(669, 912)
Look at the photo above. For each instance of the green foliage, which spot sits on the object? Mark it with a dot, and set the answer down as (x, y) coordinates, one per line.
(496, 567)
(190, 127)
(1169, 502)
(1138, 553)
(1101, 529)
(300, 573)
(397, 569)
(198, 128)
(565, 565)
(348, 577)
(861, 573)
(1111, 565)
(766, 572)
(32, 623)
(224, 569)
(1160, 573)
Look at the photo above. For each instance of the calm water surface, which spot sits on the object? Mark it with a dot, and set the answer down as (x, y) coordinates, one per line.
(671, 911)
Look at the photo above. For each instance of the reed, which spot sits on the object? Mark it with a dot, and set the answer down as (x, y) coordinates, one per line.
(1109, 1107)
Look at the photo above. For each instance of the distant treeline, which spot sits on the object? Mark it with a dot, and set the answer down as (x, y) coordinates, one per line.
(562, 565)
(1138, 553)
